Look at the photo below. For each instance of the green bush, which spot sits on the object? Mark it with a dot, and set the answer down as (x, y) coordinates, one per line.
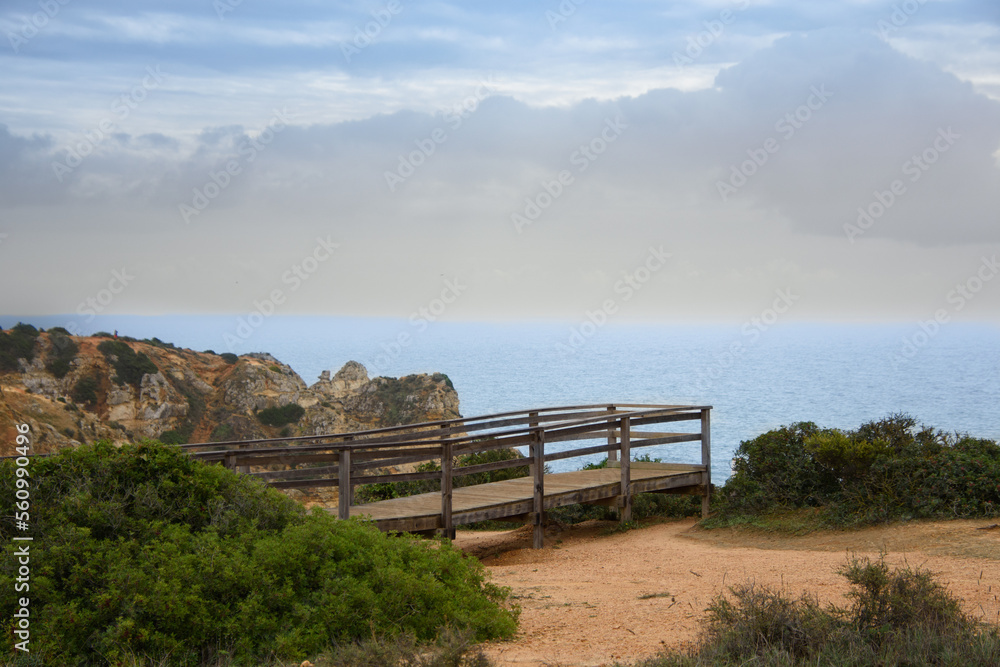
(143, 551)
(897, 618)
(173, 437)
(281, 415)
(62, 352)
(85, 390)
(222, 433)
(156, 342)
(885, 470)
(229, 357)
(18, 343)
(130, 367)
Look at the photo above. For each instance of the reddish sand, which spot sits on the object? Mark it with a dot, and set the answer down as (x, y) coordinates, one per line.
(592, 597)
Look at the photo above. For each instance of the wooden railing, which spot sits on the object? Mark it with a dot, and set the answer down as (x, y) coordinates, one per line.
(346, 460)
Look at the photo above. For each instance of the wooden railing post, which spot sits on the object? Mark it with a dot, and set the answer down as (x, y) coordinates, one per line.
(626, 492)
(538, 456)
(344, 484)
(447, 529)
(612, 455)
(706, 459)
(532, 423)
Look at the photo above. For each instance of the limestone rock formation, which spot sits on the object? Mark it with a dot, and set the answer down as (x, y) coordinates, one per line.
(74, 389)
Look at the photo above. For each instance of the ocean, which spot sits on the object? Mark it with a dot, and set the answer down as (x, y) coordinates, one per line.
(755, 377)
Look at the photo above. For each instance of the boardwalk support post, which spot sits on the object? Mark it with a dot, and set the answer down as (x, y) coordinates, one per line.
(538, 457)
(626, 491)
(706, 459)
(344, 484)
(447, 529)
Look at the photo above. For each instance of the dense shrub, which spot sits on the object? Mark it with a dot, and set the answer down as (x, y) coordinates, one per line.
(142, 551)
(156, 342)
(281, 415)
(222, 433)
(886, 469)
(899, 618)
(229, 357)
(18, 343)
(62, 351)
(130, 367)
(173, 437)
(441, 377)
(85, 390)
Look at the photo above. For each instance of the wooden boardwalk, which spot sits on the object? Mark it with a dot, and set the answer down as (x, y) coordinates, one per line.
(514, 498)
(389, 455)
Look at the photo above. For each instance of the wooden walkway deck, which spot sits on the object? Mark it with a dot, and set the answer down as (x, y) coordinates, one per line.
(514, 498)
(388, 455)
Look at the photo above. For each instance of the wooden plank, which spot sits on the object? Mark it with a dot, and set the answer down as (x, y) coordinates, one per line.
(693, 479)
(582, 451)
(490, 467)
(657, 465)
(499, 442)
(390, 478)
(356, 479)
(300, 473)
(644, 435)
(665, 418)
(518, 508)
(304, 483)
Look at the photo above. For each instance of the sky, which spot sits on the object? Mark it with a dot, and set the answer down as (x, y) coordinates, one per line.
(636, 161)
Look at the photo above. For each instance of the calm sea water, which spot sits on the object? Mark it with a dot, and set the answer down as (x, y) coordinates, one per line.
(834, 375)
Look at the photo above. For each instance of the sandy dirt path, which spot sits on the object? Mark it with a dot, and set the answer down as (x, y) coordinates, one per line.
(592, 597)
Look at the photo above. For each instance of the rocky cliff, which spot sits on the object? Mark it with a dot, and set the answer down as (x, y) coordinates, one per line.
(74, 389)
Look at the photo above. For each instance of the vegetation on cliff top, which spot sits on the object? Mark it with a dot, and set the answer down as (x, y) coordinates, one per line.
(130, 366)
(889, 469)
(142, 551)
(18, 343)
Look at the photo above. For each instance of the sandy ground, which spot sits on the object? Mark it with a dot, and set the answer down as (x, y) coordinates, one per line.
(592, 597)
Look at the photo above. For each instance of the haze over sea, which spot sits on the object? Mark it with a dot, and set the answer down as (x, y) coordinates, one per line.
(836, 375)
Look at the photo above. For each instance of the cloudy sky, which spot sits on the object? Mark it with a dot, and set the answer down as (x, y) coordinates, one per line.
(681, 161)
